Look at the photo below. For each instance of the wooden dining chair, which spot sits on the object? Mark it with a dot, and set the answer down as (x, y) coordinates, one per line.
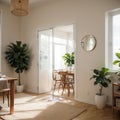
(62, 79)
(4, 91)
(56, 80)
(68, 82)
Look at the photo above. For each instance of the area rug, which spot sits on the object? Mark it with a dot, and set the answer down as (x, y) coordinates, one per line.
(40, 108)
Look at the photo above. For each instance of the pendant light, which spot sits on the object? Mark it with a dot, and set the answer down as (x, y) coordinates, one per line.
(19, 7)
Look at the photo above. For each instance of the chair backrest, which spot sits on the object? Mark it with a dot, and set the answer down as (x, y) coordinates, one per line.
(70, 77)
(55, 75)
(3, 85)
(63, 75)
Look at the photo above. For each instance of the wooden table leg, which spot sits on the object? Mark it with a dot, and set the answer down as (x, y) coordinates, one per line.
(11, 96)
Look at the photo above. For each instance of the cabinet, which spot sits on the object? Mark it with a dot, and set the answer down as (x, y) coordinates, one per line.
(115, 96)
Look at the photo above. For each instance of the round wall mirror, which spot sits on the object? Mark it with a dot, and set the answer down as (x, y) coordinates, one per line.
(88, 42)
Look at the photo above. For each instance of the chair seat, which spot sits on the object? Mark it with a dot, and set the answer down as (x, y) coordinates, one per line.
(5, 90)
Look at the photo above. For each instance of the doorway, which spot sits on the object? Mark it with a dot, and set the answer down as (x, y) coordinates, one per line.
(53, 44)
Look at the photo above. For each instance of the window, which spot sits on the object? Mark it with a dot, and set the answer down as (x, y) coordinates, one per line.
(63, 42)
(0, 41)
(112, 38)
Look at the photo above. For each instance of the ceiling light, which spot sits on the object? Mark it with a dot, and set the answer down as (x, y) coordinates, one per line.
(19, 7)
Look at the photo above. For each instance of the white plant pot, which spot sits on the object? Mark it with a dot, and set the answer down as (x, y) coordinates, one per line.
(100, 101)
(20, 88)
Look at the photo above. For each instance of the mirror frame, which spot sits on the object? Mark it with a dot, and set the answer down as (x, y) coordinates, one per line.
(85, 42)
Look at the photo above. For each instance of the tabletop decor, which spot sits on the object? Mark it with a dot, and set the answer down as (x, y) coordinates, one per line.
(69, 59)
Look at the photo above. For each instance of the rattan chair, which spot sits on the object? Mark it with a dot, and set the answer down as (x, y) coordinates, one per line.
(56, 80)
(67, 81)
(4, 91)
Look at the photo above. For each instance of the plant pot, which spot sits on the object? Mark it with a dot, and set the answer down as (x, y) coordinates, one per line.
(100, 101)
(20, 88)
(69, 68)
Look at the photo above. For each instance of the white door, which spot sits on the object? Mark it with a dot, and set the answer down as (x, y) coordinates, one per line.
(45, 60)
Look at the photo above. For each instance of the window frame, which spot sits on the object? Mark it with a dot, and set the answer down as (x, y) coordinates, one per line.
(109, 38)
(0, 38)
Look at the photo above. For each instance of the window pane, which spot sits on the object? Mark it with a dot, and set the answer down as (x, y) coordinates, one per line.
(45, 51)
(116, 37)
(0, 40)
(60, 40)
(59, 51)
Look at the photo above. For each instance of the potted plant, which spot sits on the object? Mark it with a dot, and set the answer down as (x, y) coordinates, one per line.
(117, 62)
(101, 78)
(18, 56)
(68, 59)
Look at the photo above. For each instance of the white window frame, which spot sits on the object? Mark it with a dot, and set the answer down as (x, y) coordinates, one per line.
(108, 38)
(0, 37)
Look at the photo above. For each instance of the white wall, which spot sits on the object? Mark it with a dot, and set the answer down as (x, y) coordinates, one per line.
(88, 17)
(10, 33)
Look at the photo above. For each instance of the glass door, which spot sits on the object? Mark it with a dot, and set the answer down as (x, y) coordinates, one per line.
(45, 60)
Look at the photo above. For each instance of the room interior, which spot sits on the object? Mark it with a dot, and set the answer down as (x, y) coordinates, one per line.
(87, 17)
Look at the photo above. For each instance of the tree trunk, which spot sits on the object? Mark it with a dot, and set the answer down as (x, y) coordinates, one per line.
(19, 82)
(100, 90)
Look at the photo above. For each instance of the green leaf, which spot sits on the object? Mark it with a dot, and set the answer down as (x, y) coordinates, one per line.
(118, 55)
(116, 61)
(104, 84)
(96, 71)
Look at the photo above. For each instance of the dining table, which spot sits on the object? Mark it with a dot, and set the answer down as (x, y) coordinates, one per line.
(11, 81)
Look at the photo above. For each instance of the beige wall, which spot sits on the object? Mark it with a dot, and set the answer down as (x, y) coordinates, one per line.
(10, 33)
(88, 17)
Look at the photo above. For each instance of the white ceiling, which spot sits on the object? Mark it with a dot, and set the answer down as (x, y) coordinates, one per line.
(31, 2)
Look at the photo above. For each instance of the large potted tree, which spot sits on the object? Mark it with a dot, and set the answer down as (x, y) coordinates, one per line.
(101, 78)
(18, 56)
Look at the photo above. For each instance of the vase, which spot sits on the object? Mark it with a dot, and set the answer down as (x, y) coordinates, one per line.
(69, 68)
(20, 88)
(100, 101)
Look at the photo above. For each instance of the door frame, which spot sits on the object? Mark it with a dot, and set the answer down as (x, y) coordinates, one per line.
(74, 38)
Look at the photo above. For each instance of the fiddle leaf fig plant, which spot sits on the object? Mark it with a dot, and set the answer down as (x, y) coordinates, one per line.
(101, 78)
(18, 56)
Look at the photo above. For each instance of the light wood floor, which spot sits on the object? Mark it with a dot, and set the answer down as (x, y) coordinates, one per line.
(92, 113)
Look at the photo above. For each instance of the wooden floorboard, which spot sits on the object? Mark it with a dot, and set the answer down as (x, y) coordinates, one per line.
(92, 113)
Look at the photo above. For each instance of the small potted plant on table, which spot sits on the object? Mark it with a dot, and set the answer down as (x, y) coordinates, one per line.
(102, 79)
(69, 60)
(18, 56)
